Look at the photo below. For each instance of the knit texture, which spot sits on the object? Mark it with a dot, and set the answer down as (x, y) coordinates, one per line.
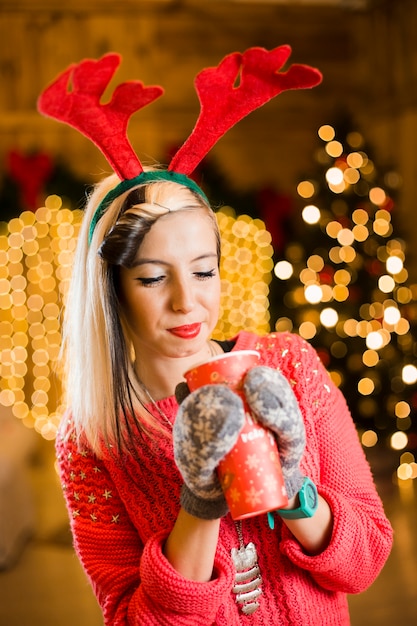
(206, 428)
(272, 400)
(122, 510)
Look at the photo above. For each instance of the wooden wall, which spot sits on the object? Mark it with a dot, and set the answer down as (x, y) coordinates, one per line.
(368, 58)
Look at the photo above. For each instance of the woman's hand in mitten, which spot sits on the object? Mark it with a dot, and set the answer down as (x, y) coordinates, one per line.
(274, 404)
(206, 428)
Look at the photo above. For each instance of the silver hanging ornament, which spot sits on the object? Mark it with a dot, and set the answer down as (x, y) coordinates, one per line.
(248, 578)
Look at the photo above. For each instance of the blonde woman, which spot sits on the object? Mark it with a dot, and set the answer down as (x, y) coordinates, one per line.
(150, 524)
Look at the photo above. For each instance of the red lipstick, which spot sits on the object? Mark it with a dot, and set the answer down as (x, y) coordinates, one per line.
(188, 331)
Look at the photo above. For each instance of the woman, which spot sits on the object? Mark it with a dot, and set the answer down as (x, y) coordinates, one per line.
(149, 522)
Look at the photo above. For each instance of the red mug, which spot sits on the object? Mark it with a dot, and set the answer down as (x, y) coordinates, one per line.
(250, 474)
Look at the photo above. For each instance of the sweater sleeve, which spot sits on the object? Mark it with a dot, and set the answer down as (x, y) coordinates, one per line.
(362, 535)
(133, 581)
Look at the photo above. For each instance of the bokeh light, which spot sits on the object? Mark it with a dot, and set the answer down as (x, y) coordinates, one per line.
(246, 272)
(37, 250)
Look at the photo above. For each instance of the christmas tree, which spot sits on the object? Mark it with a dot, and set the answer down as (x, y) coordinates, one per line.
(343, 285)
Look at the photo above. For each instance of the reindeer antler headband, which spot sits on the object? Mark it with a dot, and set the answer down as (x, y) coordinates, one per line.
(223, 103)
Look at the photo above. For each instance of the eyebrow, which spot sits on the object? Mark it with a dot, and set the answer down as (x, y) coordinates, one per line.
(145, 261)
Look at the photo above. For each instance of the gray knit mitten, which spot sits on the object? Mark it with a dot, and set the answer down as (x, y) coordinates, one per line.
(206, 428)
(274, 404)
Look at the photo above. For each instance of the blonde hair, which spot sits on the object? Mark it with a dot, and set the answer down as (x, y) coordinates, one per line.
(97, 351)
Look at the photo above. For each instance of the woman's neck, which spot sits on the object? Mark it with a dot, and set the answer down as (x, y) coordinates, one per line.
(160, 377)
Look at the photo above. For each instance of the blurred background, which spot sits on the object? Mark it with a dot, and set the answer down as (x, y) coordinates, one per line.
(315, 198)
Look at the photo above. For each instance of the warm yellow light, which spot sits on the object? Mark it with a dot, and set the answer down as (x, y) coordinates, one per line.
(245, 269)
(366, 386)
(351, 175)
(392, 315)
(402, 409)
(354, 159)
(402, 276)
(333, 229)
(369, 438)
(334, 148)
(329, 317)
(360, 216)
(315, 262)
(382, 227)
(370, 358)
(409, 374)
(30, 314)
(345, 237)
(394, 265)
(283, 324)
(386, 283)
(52, 202)
(327, 293)
(340, 293)
(305, 189)
(307, 330)
(313, 293)
(350, 327)
(283, 270)
(311, 214)
(338, 187)
(347, 254)
(374, 341)
(334, 176)
(404, 471)
(308, 276)
(399, 440)
(336, 377)
(342, 277)
(402, 327)
(326, 132)
(360, 232)
(334, 254)
(377, 196)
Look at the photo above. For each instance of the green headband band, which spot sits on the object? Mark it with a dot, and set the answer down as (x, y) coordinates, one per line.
(143, 177)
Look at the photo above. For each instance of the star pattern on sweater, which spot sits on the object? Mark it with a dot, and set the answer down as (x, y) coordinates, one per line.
(87, 493)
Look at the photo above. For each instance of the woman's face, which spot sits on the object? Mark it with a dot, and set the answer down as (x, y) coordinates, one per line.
(171, 295)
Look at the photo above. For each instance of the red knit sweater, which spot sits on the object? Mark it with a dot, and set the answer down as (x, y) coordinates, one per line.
(122, 511)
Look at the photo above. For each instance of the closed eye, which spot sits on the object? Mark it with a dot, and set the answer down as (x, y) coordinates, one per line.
(205, 275)
(150, 282)
(153, 281)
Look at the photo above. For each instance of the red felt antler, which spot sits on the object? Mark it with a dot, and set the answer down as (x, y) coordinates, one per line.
(223, 103)
(104, 124)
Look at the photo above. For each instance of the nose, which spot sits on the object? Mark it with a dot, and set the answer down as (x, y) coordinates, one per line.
(183, 297)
